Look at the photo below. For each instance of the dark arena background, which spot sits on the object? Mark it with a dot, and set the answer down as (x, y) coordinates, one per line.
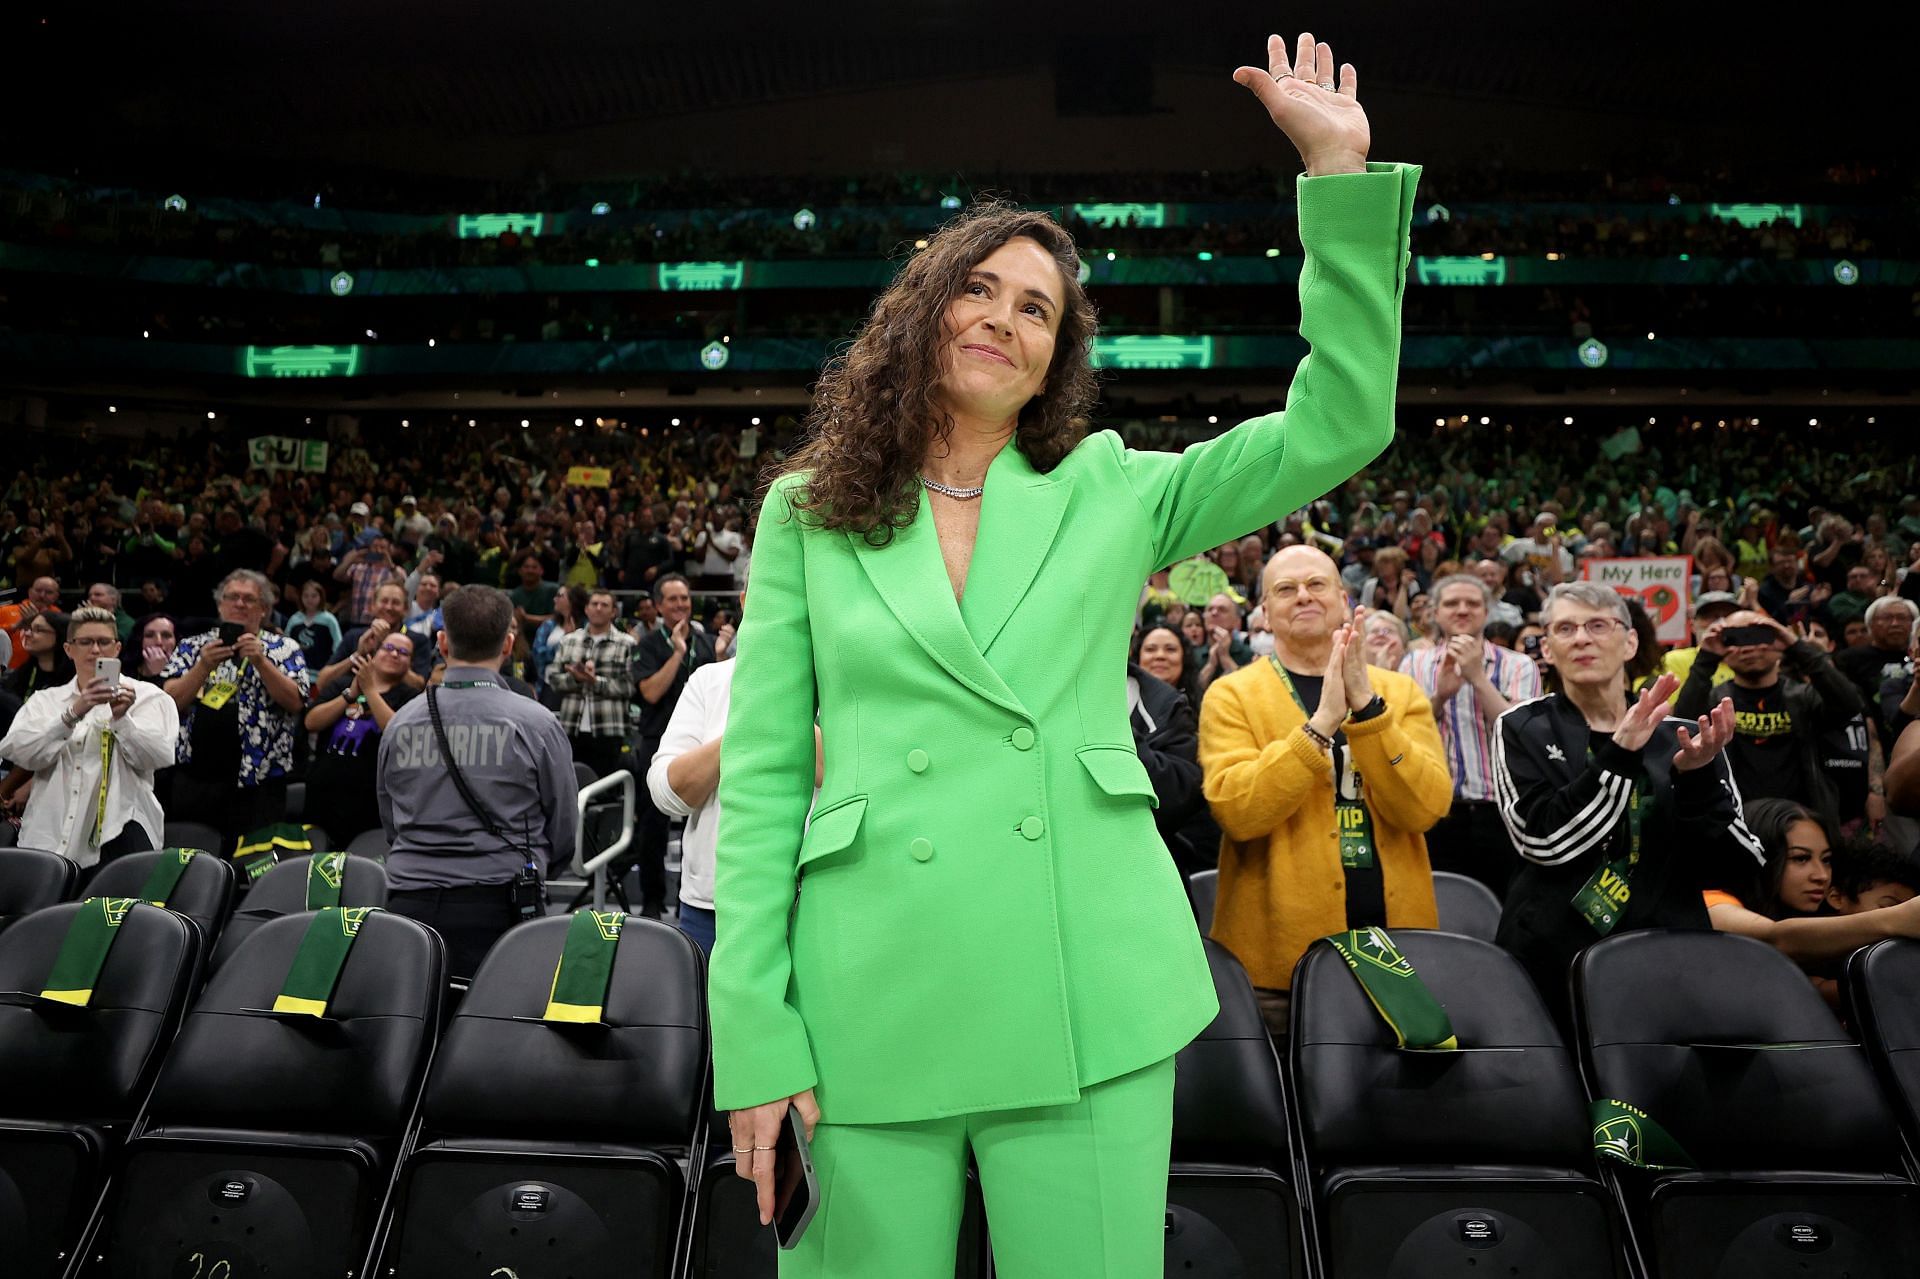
(314, 318)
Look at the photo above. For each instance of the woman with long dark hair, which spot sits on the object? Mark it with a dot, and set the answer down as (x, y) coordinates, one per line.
(1789, 904)
(990, 949)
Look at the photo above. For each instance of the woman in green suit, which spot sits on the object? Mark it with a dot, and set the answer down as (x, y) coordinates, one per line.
(978, 941)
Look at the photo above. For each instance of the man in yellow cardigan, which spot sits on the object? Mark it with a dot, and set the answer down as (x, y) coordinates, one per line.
(1324, 811)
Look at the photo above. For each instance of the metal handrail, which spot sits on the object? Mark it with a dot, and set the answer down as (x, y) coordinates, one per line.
(597, 868)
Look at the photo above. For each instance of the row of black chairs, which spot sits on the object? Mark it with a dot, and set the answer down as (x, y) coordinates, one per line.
(559, 1149)
(32, 879)
(1466, 906)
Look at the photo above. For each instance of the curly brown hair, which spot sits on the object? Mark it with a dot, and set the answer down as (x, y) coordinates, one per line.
(876, 410)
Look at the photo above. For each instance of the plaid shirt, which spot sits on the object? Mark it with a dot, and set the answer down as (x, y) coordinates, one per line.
(603, 703)
(366, 579)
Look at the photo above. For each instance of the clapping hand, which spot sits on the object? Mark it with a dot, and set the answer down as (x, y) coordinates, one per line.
(1320, 115)
(1637, 725)
(1355, 682)
(1715, 731)
(723, 641)
(1334, 704)
(679, 635)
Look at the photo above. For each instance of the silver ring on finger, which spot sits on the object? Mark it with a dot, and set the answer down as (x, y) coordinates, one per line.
(1284, 75)
(1327, 85)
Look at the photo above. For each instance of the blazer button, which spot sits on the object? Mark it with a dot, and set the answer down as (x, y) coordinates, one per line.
(917, 761)
(922, 850)
(1023, 738)
(1033, 828)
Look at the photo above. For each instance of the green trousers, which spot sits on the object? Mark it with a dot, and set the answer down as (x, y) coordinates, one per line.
(1071, 1191)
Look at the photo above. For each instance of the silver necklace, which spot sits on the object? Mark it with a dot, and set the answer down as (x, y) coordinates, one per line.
(963, 495)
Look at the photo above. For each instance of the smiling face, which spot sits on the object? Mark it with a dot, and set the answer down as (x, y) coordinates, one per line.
(1305, 601)
(390, 604)
(1162, 655)
(1000, 331)
(395, 655)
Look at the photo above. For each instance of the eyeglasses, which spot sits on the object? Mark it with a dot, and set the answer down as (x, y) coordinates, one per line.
(1596, 627)
(93, 641)
(400, 650)
(241, 597)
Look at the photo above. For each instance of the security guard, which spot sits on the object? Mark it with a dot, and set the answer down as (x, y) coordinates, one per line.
(477, 791)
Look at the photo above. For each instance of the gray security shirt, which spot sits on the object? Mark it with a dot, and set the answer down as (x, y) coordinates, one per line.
(515, 758)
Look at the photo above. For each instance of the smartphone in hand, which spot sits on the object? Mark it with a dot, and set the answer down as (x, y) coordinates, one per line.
(796, 1194)
(108, 669)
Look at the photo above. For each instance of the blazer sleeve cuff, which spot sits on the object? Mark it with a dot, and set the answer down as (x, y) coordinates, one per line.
(1359, 209)
(760, 1059)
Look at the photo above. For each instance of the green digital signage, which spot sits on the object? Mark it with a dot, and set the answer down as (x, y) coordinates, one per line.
(301, 361)
(1153, 351)
(701, 277)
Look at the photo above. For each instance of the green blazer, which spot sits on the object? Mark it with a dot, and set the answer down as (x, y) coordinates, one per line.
(980, 914)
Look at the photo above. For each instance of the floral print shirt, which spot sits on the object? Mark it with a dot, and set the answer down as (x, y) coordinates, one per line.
(266, 731)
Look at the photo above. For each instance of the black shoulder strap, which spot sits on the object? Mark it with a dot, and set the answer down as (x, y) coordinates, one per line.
(460, 780)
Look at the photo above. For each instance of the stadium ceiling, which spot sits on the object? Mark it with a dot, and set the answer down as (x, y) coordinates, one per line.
(238, 76)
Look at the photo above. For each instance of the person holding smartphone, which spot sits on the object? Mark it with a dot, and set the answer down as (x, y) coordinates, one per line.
(93, 745)
(977, 942)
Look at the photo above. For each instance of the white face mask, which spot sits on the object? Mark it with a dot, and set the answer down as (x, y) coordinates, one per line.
(1261, 642)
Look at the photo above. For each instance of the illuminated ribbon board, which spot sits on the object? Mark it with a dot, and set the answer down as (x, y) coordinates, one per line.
(1153, 352)
(301, 361)
(1751, 216)
(701, 277)
(1154, 215)
(487, 226)
(1460, 271)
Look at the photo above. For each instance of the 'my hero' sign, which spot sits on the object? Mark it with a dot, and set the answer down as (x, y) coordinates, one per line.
(1662, 583)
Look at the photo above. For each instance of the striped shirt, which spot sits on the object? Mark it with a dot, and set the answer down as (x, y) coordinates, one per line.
(1465, 734)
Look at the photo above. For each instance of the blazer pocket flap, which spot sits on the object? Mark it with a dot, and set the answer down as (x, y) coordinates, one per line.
(832, 829)
(1117, 770)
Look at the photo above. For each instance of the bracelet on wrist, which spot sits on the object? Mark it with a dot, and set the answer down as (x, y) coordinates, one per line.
(1320, 739)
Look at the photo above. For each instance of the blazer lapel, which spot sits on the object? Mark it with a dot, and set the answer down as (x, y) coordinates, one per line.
(911, 577)
(1019, 516)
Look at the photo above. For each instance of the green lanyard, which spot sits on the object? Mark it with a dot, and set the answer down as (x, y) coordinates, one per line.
(1353, 823)
(1602, 900)
(106, 779)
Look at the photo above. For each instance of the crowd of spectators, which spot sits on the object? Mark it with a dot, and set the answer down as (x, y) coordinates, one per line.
(289, 617)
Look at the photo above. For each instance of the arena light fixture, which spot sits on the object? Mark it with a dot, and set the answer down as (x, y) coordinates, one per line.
(115, 408)
(1273, 253)
(804, 220)
(580, 421)
(949, 201)
(341, 284)
(1846, 272)
(1204, 256)
(601, 208)
(524, 424)
(1567, 421)
(175, 204)
(1593, 353)
(593, 261)
(714, 356)
(673, 422)
(755, 422)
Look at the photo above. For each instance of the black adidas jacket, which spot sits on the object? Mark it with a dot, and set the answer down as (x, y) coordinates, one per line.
(1567, 814)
